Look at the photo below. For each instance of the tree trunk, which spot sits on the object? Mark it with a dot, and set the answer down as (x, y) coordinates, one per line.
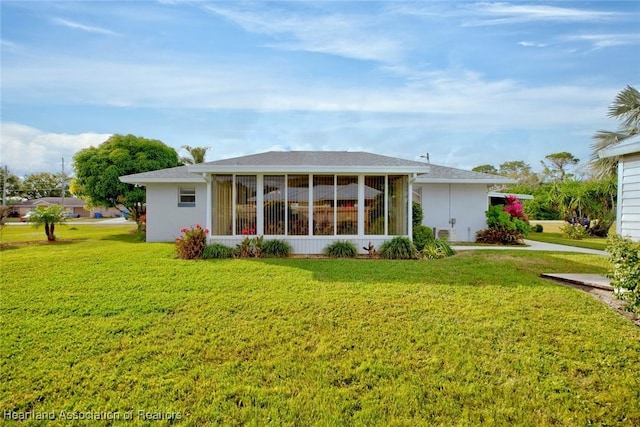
(48, 229)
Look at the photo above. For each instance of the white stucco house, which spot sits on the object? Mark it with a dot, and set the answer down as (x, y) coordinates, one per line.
(312, 198)
(628, 209)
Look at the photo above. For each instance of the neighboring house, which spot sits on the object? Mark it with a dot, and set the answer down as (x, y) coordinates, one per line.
(628, 210)
(312, 198)
(71, 204)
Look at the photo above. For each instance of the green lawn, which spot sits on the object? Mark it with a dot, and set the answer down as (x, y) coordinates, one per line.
(105, 323)
(598, 243)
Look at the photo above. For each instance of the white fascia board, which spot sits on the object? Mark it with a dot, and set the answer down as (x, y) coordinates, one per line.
(144, 181)
(519, 196)
(620, 150)
(231, 169)
(463, 181)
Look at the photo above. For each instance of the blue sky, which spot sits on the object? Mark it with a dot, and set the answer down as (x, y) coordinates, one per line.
(468, 82)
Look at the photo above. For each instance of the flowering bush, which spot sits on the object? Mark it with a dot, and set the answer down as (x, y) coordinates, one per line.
(514, 208)
(191, 245)
(506, 224)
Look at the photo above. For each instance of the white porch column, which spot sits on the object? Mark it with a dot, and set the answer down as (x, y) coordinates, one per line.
(410, 207)
(361, 202)
(209, 201)
(259, 205)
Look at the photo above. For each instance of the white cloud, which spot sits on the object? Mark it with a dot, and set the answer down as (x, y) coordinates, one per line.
(531, 44)
(601, 41)
(505, 13)
(82, 27)
(346, 35)
(28, 150)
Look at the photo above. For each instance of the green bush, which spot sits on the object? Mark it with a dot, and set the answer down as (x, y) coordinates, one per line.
(417, 214)
(275, 248)
(438, 248)
(537, 228)
(574, 231)
(624, 261)
(398, 248)
(341, 249)
(421, 236)
(217, 251)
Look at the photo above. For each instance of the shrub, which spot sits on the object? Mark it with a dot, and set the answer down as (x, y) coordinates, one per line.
(398, 248)
(537, 228)
(421, 236)
(499, 236)
(341, 249)
(191, 245)
(275, 248)
(250, 247)
(574, 231)
(217, 251)
(507, 225)
(624, 263)
(437, 248)
(417, 214)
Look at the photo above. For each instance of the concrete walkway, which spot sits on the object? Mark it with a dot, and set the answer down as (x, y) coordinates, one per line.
(533, 245)
(594, 280)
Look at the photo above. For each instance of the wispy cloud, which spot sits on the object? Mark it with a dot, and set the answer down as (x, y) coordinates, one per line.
(346, 35)
(82, 27)
(600, 41)
(506, 13)
(532, 44)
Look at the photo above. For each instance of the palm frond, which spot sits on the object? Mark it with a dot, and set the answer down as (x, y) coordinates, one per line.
(626, 107)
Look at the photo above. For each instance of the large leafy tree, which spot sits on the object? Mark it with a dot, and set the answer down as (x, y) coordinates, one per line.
(98, 170)
(625, 108)
(196, 154)
(42, 184)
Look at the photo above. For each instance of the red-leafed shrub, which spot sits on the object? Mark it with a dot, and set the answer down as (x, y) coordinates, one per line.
(192, 243)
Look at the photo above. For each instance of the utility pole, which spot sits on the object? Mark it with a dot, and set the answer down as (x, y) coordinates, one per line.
(63, 184)
(4, 185)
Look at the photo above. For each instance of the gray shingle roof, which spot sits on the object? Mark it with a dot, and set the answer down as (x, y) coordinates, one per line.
(177, 174)
(318, 162)
(312, 159)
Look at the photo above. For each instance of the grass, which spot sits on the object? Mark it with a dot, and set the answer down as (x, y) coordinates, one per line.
(598, 243)
(104, 323)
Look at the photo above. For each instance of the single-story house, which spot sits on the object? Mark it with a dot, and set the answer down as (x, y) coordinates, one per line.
(628, 209)
(312, 198)
(73, 205)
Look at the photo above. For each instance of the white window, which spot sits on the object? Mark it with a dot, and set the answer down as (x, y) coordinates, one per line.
(186, 197)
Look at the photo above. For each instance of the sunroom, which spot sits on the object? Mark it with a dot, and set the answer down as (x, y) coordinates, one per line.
(309, 198)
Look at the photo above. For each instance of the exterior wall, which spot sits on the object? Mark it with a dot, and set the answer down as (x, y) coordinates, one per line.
(466, 203)
(628, 221)
(165, 218)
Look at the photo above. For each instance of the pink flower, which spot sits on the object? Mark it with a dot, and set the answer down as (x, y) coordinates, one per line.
(184, 230)
(252, 231)
(245, 232)
(198, 226)
(206, 230)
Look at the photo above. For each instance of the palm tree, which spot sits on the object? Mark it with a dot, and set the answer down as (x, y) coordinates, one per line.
(196, 154)
(626, 108)
(49, 217)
